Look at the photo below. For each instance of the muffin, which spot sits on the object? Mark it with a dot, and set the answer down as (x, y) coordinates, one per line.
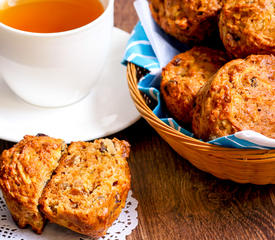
(240, 96)
(24, 171)
(248, 27)
(89, 188)
(184, 76)
(188, 21)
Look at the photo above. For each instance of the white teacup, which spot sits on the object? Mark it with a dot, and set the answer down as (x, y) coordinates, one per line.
(55, 69)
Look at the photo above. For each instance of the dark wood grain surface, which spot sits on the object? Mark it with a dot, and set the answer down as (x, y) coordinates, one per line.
(178, 201)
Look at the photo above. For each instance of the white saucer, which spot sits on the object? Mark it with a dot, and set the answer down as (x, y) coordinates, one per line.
(106, 110)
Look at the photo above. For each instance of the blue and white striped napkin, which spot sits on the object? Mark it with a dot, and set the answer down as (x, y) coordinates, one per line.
(149, 47)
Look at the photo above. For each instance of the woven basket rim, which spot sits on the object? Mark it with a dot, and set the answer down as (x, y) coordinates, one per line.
(132, 82)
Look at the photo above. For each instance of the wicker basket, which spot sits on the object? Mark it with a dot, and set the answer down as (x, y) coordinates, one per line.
(239, 165)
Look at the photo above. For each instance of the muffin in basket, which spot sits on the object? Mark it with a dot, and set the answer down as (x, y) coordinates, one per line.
(89, 188)
(248, 27)
(188, 21)
(184, 76)
(240, 96)
(24, 172)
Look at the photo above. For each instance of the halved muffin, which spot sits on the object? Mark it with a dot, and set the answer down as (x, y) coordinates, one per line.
(24, 171)
(90, 186)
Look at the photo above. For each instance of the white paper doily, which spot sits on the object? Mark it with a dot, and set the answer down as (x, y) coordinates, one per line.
(122, 227)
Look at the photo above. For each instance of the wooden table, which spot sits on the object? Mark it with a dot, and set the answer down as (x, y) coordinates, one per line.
(178, 201)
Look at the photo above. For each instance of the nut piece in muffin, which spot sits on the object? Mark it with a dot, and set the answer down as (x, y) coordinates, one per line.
(89, 188)
(248, 27)
(188, 21)
(184, 76)
(240, 96)
(24, 172)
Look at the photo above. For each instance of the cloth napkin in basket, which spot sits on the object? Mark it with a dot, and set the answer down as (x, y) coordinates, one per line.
(149, 47)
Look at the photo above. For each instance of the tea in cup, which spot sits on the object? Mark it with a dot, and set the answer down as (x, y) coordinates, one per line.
(53, 51)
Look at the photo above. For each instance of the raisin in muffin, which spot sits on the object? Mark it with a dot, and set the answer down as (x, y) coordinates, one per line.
(184, 76)
(89, 187)
(188, 21)
(240, 96)
(248, 27)
(24, 172)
